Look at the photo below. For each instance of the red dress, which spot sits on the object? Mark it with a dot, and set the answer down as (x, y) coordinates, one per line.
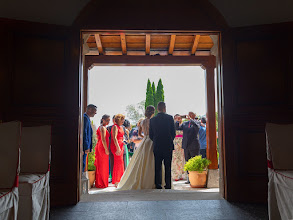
(102, 161)
(118, 168)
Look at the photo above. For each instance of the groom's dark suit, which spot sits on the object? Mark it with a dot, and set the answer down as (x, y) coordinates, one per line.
(162, 133)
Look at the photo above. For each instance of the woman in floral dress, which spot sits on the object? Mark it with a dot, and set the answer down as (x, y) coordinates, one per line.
(178, 160)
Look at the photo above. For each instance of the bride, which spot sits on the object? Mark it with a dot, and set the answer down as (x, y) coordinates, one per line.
(140, 172)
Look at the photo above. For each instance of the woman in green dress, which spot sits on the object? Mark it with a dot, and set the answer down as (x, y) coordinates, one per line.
(126, 127)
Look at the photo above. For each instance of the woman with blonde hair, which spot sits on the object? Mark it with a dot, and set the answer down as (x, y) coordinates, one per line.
(117, 134)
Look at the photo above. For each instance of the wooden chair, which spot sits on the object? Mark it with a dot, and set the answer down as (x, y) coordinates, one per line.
(34, 190)
(9, 169)
(280, 170)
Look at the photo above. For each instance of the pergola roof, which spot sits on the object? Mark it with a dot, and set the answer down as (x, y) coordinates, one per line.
(176, 44)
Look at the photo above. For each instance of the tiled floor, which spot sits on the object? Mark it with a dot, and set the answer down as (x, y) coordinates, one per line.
(180, 209)
(178, 185)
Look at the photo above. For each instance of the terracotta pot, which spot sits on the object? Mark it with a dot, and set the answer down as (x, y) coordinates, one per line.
(197, 179)
(92, 177)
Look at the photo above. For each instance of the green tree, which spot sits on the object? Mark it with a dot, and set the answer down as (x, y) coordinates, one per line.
(154, 91)
(140, 108)
(160, 92)
(94, 137)
(135, 112)
(154, 94)
(91, 155)
(149, 95)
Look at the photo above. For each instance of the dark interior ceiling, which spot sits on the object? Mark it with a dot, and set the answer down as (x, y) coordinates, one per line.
(237, 13)
(254, 12)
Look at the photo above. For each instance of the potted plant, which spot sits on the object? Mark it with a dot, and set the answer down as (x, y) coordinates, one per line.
(91, 168)
(197, 171)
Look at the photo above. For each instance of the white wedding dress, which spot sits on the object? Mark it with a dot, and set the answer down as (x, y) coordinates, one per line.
(140, 172)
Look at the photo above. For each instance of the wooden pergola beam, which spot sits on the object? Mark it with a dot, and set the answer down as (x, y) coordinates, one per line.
(195, 44)
(150, 60)
(172, 44)
(99, 43)
(147, 44)
(123, 43)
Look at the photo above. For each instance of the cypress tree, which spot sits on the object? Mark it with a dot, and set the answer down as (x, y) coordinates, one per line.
(154, 94)
(149, 95)
(160, 92)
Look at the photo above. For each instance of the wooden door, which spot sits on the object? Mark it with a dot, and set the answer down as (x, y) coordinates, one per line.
(39, 86)
(257, 88)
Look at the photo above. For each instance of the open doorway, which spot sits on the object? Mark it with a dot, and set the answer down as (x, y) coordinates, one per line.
(100, 57)
(184, 91)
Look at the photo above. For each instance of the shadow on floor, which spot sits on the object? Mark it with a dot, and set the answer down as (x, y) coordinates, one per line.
(180, 209)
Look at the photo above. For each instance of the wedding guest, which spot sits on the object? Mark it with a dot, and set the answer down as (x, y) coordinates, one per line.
(91, 110)
(136, 134)
(111, 157)
(178, 160)
(126, 128)
(102, 154)
(133, 135)
(131, 144)
(117, 134)
(203, 138)
(127, 125)
(190, 141)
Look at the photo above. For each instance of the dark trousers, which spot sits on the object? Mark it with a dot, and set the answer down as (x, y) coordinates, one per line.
(159, 158)
(203, 153)
(190, 152)
(83, 161)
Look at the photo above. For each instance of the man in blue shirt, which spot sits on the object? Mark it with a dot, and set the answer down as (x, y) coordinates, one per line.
(203, 138)
(91, 110)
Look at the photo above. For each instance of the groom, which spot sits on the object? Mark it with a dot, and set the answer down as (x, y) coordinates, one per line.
(162, 133)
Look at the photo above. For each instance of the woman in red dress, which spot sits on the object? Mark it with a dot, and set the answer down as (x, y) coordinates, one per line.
(117, 134)
(102, 154)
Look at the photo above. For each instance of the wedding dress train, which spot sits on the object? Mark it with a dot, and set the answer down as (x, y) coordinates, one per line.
(140, 173)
